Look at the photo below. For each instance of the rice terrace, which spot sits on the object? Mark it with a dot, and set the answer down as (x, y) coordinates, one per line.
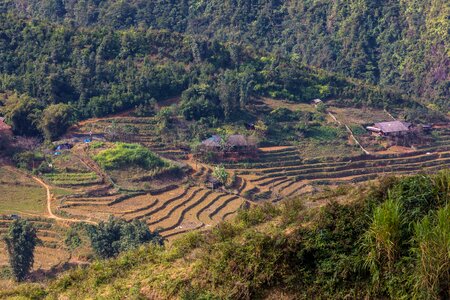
(181, 195)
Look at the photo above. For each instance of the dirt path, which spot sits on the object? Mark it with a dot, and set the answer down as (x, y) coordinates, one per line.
(350, 132)
(274, 148)
(51, 215)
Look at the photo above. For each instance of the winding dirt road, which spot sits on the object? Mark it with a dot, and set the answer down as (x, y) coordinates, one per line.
(51, 215)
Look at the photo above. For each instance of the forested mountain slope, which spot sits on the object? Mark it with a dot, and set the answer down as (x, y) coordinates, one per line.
(403, 44)
(99, 70)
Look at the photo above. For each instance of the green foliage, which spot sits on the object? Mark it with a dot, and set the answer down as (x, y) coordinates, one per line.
(123, 155)
(200, 101)
(72, 239)
(325, 133)
(432, 249)
(383, 238)
(221, 174)
(110, 238)
(23, 113)
(321, 108)
(20, 242)
(55, 120)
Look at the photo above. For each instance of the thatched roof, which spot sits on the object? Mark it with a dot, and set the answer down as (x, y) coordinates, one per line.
(237, 140)
(393, 126)
(214, 141)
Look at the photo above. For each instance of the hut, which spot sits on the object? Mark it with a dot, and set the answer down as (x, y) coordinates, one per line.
(240, 144)
(214, 143)
(392, 128)
(316, 102)
(233, 147)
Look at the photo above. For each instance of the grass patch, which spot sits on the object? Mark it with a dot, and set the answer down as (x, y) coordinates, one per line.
(22, 198)
(125, 155)
(325, 133)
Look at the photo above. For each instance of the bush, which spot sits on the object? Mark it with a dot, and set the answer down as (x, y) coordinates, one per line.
(122, 155)
(110, 238)
(432, 250)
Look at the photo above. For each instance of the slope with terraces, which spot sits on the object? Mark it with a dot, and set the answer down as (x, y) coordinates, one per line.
(277, 173)
(285, 173)
(50, 252)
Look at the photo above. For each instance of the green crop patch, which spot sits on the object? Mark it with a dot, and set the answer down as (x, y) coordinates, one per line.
(124, 155)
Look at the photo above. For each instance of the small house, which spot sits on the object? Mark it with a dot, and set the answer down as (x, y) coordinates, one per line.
(213, 183)
(392, 128)
(233, 147)
(241, 144)
(214, 143)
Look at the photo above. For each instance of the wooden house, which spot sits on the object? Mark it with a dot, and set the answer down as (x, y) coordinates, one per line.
(233, 147)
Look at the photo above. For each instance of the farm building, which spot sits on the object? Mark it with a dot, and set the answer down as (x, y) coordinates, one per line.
(234, 147)
(392, 128)
(214, 143)
(64, 146)
(241, 144)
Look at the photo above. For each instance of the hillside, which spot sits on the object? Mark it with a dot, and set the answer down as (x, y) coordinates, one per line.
(272, 149)
(378, 241)
(398, 44)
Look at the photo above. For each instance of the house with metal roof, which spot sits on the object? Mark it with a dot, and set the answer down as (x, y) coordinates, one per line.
(392, 128)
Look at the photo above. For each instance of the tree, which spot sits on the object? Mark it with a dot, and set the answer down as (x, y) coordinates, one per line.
(23, 113)
(55, 120)
(110, 238)
(221, 174)
(21, 240)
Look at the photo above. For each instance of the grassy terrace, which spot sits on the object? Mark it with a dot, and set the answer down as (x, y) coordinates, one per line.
(73, 179)
(20, 193)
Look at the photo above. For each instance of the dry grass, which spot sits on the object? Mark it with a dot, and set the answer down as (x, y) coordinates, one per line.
(19, 193)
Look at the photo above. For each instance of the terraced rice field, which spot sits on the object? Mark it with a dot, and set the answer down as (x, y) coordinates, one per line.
(73, 179)
(285, 173)
(144, 132)
(277, 173)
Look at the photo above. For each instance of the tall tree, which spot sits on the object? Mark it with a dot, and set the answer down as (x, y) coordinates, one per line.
(21, 240)
(56, 119)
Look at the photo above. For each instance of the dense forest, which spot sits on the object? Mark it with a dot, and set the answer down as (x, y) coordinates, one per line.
(56, 73)
(397, 44)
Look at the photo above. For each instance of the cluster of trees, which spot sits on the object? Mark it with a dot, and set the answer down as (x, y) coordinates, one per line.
(108, 239)
(402, 44)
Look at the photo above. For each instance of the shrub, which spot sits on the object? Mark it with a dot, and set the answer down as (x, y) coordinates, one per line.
(110, 238)
(382, 240)
(432, 250)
